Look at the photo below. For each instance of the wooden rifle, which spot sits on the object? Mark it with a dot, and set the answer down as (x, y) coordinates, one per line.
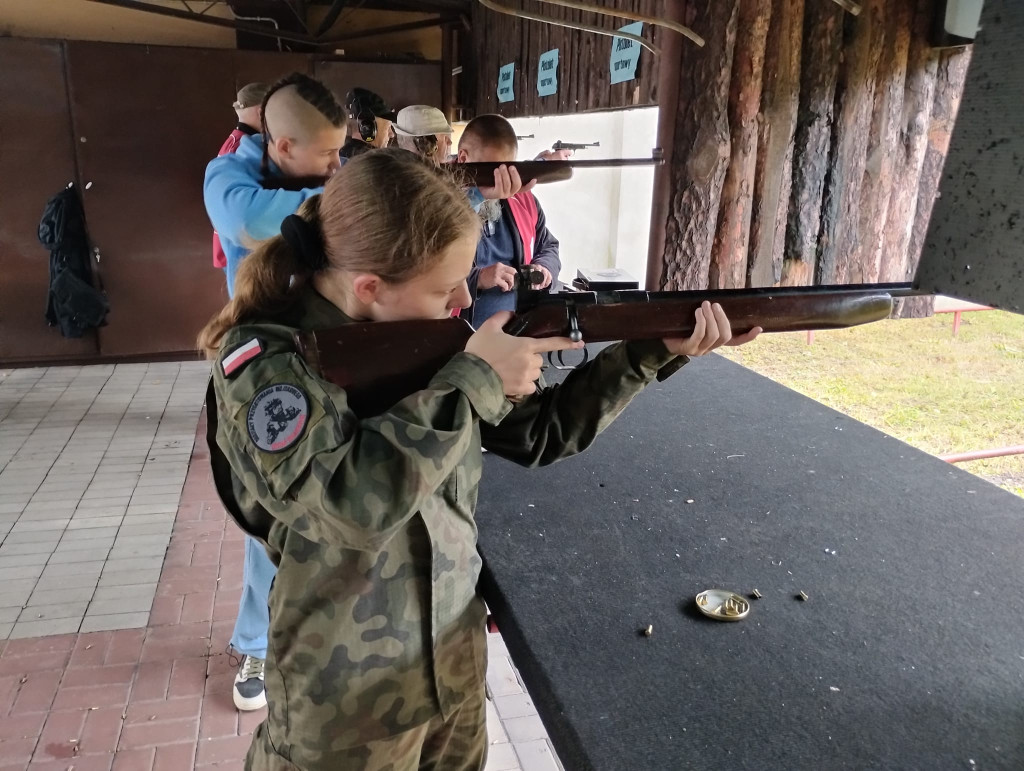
(380, 363)
(482, 174)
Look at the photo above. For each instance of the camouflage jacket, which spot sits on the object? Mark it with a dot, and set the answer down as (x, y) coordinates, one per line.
(376, 626)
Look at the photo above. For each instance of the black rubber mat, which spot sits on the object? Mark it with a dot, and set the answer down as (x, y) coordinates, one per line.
(907, 654)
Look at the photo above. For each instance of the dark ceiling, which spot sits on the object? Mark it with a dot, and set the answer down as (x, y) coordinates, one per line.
(286, 24)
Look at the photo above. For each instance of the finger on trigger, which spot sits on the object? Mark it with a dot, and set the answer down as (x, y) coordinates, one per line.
(546, 344)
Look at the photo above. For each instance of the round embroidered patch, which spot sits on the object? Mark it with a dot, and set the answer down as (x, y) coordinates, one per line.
(277, 417)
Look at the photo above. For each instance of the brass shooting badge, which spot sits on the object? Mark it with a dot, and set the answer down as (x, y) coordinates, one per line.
(722, 605)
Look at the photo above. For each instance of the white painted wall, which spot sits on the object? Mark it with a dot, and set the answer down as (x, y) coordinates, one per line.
(601, 217)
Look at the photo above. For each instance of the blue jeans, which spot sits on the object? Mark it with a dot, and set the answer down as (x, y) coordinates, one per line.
(253, 622)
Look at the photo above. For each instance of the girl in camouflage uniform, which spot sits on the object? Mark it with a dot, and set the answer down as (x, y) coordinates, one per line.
(377, 645)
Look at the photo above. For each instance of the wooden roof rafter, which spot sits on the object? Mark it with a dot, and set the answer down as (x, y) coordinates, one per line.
(239, 24)
(499, 8)
(632, 15)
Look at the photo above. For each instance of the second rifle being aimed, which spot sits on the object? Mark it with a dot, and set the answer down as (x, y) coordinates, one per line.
(481, 174)
(560, 145)
(380, 363)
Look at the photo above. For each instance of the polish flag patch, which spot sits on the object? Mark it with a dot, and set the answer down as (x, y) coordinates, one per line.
(232, 363)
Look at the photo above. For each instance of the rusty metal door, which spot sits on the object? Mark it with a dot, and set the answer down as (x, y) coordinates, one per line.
(147, 120)
(36, 161)
(137, 124)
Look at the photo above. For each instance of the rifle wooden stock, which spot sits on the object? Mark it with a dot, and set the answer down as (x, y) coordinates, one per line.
(380, 363)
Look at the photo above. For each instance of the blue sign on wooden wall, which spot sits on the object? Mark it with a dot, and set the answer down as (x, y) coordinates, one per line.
(547, 73)
(625, 54)
(506, 76)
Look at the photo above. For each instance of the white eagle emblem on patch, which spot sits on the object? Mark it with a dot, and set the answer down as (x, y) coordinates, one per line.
(277, 417)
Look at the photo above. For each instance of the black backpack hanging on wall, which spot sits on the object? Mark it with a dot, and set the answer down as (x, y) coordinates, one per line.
(73, 302)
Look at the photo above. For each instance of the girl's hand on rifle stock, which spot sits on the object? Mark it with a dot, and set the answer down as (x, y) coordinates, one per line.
(517, 360)
(711, 330)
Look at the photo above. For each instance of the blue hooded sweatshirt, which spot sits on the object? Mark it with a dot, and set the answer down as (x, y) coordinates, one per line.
(240, 209)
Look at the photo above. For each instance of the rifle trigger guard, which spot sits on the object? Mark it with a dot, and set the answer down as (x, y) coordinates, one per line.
(561, 362)
(574, 323)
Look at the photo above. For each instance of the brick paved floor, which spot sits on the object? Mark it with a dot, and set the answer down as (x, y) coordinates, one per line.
(92, 461)
(158, 697)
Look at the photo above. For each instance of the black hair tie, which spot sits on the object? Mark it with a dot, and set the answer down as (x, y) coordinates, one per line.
(307, 241)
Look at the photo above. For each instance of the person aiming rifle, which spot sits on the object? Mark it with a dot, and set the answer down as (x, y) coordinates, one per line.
(379, 645)
(553, 166)
(515, 230)
(303, 131)
(425, 131)
(369, 123)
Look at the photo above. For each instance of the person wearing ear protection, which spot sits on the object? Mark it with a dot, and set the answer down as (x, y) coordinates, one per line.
(425, 131)
(369, 122)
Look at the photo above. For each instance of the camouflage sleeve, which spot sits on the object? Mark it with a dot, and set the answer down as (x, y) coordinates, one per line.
(294, 444)
(562, 420)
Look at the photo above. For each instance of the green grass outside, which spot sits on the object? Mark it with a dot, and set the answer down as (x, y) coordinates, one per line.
(912, 379)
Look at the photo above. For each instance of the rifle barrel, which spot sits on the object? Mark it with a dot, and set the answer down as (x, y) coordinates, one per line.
(482, 173)
(639, 315)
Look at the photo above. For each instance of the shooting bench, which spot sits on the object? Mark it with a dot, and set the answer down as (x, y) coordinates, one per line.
(906, 654)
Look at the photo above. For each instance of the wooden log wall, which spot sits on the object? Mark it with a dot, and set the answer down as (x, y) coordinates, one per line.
(819, 166)
(777, 121)
(702, 126)
(584, 81)
(744, 106)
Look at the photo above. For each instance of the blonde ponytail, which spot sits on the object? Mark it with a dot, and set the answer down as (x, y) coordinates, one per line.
(389, 213)
(266, 283)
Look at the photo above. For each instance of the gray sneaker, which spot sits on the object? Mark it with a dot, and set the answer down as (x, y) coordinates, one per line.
(249, 692)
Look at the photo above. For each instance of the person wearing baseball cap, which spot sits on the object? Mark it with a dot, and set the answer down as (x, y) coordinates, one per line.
(369, 122)
(425, 131)
(248, 107)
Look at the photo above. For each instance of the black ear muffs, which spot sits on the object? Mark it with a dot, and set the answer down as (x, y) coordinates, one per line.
(366, 121)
